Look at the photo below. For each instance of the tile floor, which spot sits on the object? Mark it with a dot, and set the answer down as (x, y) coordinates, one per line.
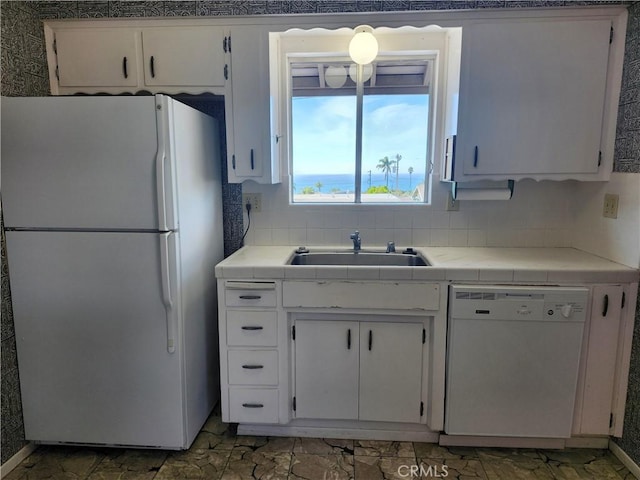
(218, 453)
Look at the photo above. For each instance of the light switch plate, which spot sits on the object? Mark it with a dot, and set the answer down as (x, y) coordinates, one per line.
(255, 199)
(610, 207)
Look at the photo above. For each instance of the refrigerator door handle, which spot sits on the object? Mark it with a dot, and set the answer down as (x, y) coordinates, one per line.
(162, 197)
(164, 182)
(167, 247)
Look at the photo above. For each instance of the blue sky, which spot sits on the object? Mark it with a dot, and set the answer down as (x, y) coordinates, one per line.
(324, 132)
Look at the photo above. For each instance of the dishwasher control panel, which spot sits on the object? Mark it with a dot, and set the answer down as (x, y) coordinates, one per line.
(519, 303)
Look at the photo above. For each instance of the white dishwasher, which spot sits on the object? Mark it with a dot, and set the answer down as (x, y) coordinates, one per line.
(512, 360)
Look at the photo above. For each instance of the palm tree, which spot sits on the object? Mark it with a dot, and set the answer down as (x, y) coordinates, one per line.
(386, 166)
(410, 173)
(397, 168)
(318, 186)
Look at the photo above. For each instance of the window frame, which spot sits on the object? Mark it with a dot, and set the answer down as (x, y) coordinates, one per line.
(316, 45)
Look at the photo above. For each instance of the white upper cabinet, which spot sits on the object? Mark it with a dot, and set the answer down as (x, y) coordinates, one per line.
(536, 98)
(248, 108)
(191, 56)
(101, 57)
(130, 58)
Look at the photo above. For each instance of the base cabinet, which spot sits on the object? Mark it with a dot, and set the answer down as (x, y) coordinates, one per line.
(250, 361)
(600, 362)
(358, 370)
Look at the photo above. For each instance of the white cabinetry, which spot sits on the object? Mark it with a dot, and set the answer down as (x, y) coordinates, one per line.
(248, 106)
(536, 99)
(358, 370)
(390, 387)
(187, 57)
(595, 404)
(326, 369)
(158, 57)
(104, 57)
(250, 362)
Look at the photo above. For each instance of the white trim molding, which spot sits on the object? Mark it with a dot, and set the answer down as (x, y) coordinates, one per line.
(14, 461)
(626, 460)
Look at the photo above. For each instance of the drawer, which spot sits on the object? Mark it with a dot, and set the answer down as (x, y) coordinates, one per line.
(253, 405)
(253, 367)
(250, 328)
(250, 294)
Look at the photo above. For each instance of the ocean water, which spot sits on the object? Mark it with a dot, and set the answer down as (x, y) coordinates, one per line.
(346, 182)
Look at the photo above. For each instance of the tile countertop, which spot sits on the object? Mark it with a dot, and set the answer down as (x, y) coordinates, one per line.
(484, 264)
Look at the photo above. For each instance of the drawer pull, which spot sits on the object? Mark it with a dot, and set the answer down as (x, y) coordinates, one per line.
(252, 328)
(605, 306)
(252, 405)
(250, 297)
(253, 367)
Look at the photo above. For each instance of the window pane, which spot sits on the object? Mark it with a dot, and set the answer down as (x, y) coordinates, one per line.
(394, 147)
(323, 138)
(394, 131)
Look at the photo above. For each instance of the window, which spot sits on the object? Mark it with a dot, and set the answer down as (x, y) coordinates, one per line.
(396, 129)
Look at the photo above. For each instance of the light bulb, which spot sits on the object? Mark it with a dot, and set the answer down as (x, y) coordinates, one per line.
(363, 47)
(335, 76)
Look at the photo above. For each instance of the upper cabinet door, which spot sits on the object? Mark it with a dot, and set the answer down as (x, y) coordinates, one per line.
(248, 108)
(185, 56)
(97, 57)
(532, 97)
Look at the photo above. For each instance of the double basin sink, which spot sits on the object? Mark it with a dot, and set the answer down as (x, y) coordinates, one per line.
(407, 258)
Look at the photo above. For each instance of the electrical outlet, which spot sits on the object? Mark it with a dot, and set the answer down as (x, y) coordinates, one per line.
(255, 199)
(452, 205)
(610, 207)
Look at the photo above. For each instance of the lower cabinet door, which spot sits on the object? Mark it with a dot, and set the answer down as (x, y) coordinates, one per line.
(600, 364)
(326, 369)
(390, 371)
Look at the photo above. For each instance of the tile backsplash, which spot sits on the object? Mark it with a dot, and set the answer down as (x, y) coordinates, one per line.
(538, 215)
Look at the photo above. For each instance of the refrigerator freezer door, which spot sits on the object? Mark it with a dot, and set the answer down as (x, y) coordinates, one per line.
(81, 163)
(91, 331)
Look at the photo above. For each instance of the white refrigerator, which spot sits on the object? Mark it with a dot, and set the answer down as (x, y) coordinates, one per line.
(113, 219)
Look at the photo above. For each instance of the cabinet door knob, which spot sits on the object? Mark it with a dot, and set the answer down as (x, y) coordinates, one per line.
(370, 339)
(252, 161)
(475, 157)
(605, 306)
(124, 67)
(349, 339)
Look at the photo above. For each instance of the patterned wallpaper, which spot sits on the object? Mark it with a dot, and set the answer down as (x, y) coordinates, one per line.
(24, 72)
(627, 149)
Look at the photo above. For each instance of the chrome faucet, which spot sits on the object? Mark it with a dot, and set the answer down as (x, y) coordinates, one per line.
(391, 247)
(357, 241)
